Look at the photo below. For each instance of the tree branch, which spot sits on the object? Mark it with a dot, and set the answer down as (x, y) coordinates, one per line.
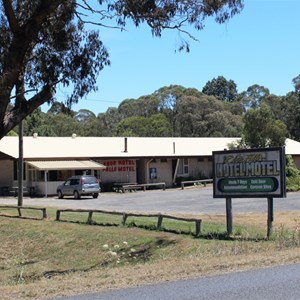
(25, 107)
(9, 12)
(20, 44)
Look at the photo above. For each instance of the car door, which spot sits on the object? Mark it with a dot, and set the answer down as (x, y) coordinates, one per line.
(66, 190)
(74, 185)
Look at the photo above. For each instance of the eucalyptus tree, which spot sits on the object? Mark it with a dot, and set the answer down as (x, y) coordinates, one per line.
(286, 108)
(59, 107)
(168, 96)
(44, 43)
(189, 120)
(144, 106)
(293, 99)
(88, 123)
(42, 46)
(108, 122)
(224, 124)
(155, 126)
(253, 96)
(221, 88)
(262, 129)
(84, 116)
(205, 116)
(34, 123)
(61, 125)
(290, 114)
(296, 82)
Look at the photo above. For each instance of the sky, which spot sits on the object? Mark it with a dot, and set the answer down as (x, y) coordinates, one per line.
(260, 46)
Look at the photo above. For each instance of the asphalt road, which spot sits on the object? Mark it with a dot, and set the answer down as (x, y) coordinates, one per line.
(274, 283)
(190, 201)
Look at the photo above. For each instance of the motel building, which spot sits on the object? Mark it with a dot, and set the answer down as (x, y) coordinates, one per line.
(49, 161)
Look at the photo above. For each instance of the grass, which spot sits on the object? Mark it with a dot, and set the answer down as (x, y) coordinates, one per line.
(40, 259)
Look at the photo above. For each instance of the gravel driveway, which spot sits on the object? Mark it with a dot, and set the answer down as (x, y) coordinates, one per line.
(191, 200)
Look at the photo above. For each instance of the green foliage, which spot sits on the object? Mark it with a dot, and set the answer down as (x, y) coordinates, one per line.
(292, 175)
(12, 133)
(253, 96)
(221, 88)
(290, 114)
(45, 43)
(286, 238)
(34, 252)
(58, 107)
(169, 111)
(179, 111)
(204, 115)
(261, 129)
(173, 14)
(154, 126)
(296, 82)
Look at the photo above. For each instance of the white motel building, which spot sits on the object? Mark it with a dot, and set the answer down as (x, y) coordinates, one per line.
(49, 161)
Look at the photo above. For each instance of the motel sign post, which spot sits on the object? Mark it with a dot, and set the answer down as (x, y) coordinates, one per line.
(249, 173)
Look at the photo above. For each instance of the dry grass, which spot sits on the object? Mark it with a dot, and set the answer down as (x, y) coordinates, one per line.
(170, 257)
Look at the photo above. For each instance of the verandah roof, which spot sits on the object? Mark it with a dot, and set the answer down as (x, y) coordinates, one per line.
(44, 165)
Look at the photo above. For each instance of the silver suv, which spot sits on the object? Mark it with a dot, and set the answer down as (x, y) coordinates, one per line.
(78, 186)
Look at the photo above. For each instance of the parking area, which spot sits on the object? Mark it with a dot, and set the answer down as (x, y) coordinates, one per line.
(189, 201)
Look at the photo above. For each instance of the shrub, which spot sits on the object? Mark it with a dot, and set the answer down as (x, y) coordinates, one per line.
(292, 175)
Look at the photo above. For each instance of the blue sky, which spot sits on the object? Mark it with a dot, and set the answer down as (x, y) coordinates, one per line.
(259, 46)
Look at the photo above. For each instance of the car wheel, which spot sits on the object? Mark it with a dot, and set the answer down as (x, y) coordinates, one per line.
(76, 195)
(95, 195)
(60, 195)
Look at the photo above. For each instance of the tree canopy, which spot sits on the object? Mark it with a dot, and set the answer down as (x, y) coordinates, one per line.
(169, 111)
(262, 129)
(44, 43)
(221, 88)
(178, 111)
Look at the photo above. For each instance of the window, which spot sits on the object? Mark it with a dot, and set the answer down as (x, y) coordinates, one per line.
(74, 182)
(90, 180)
(183, 167)
(53, 175)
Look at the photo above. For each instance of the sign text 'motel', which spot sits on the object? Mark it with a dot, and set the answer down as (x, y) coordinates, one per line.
(249, 173)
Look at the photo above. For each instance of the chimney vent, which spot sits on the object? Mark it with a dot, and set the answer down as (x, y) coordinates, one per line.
(125, 145)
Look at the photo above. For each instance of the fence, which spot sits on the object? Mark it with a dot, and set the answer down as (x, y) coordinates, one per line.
(20, 208)
(143, 186)
(125, 215)
(203, 181)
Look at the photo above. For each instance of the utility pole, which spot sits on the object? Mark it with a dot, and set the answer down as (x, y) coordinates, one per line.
(20, 165)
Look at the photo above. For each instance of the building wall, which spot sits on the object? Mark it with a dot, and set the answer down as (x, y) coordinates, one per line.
(200, 167)
(144, 170)
(160, 170)
(6, 173)
(118, 170)
(297, 161)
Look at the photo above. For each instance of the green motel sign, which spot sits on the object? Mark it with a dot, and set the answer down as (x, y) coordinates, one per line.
(249, 173)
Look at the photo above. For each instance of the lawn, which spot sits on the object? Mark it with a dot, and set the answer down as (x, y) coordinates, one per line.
(46, 258)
